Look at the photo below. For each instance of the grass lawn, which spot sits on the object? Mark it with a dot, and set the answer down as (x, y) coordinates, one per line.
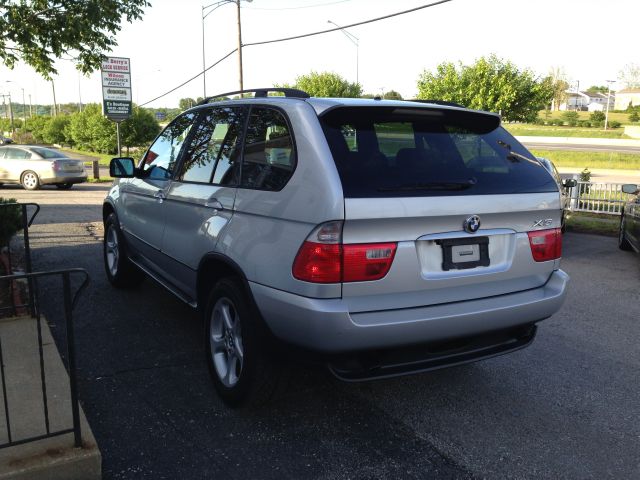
(593, 223)
(623, 118)
(612, 160)
(103, 159)
(527, 129)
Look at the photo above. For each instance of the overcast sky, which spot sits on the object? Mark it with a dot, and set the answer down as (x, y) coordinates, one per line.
(591, 40)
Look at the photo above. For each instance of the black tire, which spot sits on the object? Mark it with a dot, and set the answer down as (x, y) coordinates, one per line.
(121, 272)
(255, 376)
(30, 180)
(64, 186)
(623, 243)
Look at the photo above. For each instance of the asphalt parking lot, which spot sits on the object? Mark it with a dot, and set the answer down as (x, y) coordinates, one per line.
(566, 407)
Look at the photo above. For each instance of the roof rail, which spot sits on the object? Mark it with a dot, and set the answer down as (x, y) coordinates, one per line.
(439, 102)
(261, 93)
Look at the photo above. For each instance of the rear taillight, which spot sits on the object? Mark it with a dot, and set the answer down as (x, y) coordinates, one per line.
(546, 244)
(367, 261)
(323, 258)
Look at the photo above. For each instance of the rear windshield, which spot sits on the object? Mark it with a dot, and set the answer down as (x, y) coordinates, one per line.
(48, 153)
(389, 151)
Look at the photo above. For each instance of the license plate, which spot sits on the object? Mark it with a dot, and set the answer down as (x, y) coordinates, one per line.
(463, 253)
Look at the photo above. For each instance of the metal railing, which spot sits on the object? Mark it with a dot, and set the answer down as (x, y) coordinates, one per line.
(605, 198)
(70, 300)
(18, 305)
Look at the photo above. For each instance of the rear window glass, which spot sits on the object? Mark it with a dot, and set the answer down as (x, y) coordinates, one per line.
(49, 153)
(389, 151)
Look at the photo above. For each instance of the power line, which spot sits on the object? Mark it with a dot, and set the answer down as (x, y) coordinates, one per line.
(297, 37)
(348, 26)
(299, 8)
(191, 79)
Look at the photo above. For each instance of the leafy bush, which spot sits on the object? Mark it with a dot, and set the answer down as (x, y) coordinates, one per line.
(570, 116)
(539, 121)
(597, 116)
(557, 121)
(614, 124)
(634, 116)
(10, 221)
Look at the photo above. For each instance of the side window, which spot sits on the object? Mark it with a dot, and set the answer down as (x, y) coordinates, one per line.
(160, 159)
(269, 156)
(2, 152)
(17, 154)
(214, 148)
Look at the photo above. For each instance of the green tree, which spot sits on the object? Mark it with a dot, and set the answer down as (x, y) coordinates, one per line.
(597, 89)
(39, 31)
(392, 95)
(186, 103)
(634, 116)
(597, 116)
(55, 130)
(489, 84)
(140, 129)
(90, 130)
(560, 85)
(630, 76)
(327, 84)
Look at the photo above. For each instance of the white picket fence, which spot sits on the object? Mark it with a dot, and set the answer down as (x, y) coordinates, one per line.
(598, 198)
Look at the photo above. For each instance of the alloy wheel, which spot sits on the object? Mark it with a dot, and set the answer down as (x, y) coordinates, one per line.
(225, 336)
(112, 251)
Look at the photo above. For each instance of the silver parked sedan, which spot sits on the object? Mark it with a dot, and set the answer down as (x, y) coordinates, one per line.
(33, 166)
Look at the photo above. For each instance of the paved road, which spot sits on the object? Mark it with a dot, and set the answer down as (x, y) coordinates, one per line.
(566, 407)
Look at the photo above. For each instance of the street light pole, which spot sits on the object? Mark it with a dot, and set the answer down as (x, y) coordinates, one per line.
(356, 41)
(239, 46)
(606, 116)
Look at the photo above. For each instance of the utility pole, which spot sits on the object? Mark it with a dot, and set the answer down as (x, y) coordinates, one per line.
(606, 117)
(24, 113)
(55, 105)
(30, 107)
(240, 46)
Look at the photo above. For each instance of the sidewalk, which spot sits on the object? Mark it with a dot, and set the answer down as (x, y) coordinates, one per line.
(53, 458)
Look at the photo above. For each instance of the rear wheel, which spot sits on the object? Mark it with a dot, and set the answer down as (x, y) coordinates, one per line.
(120, 271)
(64, 186)
(623, 243)
(242, 370)
(30, 180)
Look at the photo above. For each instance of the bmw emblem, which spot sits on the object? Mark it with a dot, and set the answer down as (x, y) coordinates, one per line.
(471, 224)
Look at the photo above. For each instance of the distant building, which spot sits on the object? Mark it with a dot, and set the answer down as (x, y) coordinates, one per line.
(626, 97)
(588, 101)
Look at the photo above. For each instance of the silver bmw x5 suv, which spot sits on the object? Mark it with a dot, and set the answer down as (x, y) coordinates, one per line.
(384, 237)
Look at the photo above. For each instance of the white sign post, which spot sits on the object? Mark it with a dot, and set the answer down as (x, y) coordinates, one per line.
(116, 91)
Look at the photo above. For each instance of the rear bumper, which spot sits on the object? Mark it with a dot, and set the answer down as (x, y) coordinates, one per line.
(325, 325)
(64, 178)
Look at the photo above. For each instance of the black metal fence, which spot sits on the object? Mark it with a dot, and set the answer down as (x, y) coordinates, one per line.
(20, 304)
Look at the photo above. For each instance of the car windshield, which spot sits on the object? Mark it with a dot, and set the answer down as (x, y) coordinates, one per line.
(48, 152)
(390, 151)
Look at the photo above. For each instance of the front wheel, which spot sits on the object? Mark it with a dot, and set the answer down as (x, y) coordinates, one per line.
(241, 369)
(30, 180)
(623, 243)
(121, 272)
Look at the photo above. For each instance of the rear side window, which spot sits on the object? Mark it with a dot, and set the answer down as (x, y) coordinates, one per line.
(389, 151)
(269, 154)
(17, 154)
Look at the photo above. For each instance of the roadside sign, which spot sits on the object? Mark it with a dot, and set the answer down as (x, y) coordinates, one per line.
(116, 88)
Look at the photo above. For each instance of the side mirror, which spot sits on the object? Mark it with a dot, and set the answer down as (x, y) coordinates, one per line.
(630, 188)
(569, 182)
(122, 167)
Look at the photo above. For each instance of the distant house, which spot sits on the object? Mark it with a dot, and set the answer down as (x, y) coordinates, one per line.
(626, 97)
(587, 101)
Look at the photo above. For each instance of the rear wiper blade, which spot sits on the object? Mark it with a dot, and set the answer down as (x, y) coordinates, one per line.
(430, 186)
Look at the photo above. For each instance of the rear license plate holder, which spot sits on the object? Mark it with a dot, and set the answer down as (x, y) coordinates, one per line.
(464, 253)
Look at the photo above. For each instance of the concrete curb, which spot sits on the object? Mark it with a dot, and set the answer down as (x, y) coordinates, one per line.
(52, 458)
